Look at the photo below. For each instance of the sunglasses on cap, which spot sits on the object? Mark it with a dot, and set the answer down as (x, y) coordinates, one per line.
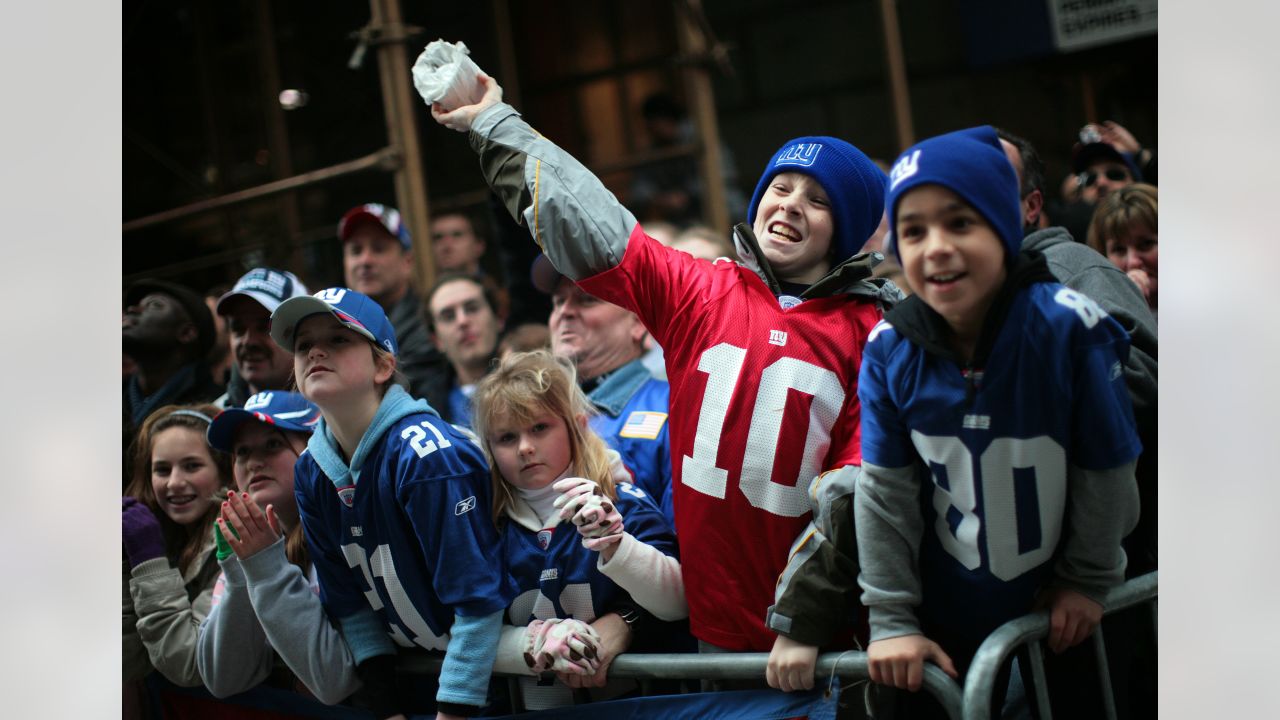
(1114, 174)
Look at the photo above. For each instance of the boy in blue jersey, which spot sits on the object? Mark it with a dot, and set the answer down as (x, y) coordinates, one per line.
(997, 435)
(394, 503)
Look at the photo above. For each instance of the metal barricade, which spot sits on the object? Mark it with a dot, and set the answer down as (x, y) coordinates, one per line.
(848, 666)
(1029, 631)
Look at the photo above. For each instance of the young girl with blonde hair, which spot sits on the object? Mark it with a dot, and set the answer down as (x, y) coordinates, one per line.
(581, 589)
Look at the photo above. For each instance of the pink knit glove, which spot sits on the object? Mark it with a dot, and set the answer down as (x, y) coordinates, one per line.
(582, 503)
(562, 645)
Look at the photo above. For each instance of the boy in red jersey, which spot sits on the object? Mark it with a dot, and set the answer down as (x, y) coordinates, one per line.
(762, 355)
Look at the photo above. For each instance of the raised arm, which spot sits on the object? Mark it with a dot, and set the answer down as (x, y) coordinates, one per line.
(579, 224)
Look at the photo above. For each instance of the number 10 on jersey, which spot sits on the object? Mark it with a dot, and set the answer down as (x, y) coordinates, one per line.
(723, 364)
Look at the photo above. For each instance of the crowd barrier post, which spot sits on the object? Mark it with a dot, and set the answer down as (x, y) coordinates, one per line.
(1024, 635)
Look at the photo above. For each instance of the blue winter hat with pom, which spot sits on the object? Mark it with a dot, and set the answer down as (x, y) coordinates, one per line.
(854, 184)
(970, 163)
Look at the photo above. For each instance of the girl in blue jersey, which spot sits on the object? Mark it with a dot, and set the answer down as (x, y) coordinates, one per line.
(563, 496)
(167, 517)
(266, 601)
(997, 434)
(394, 503)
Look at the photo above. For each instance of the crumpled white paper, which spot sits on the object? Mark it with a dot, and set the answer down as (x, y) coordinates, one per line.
(444, 73)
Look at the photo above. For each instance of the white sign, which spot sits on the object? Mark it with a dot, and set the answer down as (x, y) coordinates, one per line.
(1079, 24)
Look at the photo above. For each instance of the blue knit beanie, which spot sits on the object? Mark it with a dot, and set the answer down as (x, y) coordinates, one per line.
(970, 163)
(853, 183)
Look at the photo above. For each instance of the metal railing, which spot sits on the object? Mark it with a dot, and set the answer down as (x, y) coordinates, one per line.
(848, 666)
(1028, 631)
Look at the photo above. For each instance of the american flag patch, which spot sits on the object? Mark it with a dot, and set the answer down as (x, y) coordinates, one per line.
(643, 424)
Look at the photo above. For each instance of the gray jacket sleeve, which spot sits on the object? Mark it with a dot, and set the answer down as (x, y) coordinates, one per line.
(890, 526)
(232, 652)
(574, 218)
(296, 625)
(169, 622)
(1114, 292)
(816, 595)
(1102, 508)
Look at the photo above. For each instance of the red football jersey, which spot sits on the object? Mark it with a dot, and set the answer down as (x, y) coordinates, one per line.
(762, 400)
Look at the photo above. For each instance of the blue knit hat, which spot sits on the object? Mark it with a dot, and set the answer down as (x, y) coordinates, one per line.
(970, 163)
(854, 184)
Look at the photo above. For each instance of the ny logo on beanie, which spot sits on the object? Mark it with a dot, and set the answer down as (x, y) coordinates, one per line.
(802, 154)
(907, 166)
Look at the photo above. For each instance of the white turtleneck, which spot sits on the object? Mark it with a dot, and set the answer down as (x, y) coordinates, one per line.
(542, 501)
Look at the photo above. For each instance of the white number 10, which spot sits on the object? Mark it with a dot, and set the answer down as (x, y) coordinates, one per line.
(723, 364)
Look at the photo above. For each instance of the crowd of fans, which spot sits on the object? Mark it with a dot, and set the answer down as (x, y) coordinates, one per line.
(774, 442)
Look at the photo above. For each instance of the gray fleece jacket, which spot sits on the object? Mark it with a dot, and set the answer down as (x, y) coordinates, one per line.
(1082, 268)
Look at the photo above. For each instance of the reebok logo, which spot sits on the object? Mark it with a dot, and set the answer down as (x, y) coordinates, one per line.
(802, 154)
(906, 167)
(465, 506)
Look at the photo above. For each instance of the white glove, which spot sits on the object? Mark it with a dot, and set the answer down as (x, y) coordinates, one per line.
(584, 504)
(562, 645)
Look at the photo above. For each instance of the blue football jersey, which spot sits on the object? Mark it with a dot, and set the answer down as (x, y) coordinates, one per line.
(640, 435)
(995, 444)
(557, 577)
(416, 541)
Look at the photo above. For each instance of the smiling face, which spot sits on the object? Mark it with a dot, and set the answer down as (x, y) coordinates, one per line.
(264, 458)
(183, 475)
(952, 258)
(262, 363)
(531, 455)
(333, 364)
(794, 227)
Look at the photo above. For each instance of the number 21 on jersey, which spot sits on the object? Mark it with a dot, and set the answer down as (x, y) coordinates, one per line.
(723, 364)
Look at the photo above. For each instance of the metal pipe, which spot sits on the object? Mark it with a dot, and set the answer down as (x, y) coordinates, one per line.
(897, 68)
(399, 100)
(1001, 643)
(386, 159)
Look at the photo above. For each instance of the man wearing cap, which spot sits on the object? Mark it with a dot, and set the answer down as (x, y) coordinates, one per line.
(606, 343)
(167, 331)
(260, 364)
(377, 260)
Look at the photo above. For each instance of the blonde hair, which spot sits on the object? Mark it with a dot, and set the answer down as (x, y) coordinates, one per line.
(1121, 211)
(182, 543)
(524, 386)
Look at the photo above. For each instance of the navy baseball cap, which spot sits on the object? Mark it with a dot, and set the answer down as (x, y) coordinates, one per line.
(354, 310)
(278, 408)
(266, 286)
(388, 217)
(1085, 155)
